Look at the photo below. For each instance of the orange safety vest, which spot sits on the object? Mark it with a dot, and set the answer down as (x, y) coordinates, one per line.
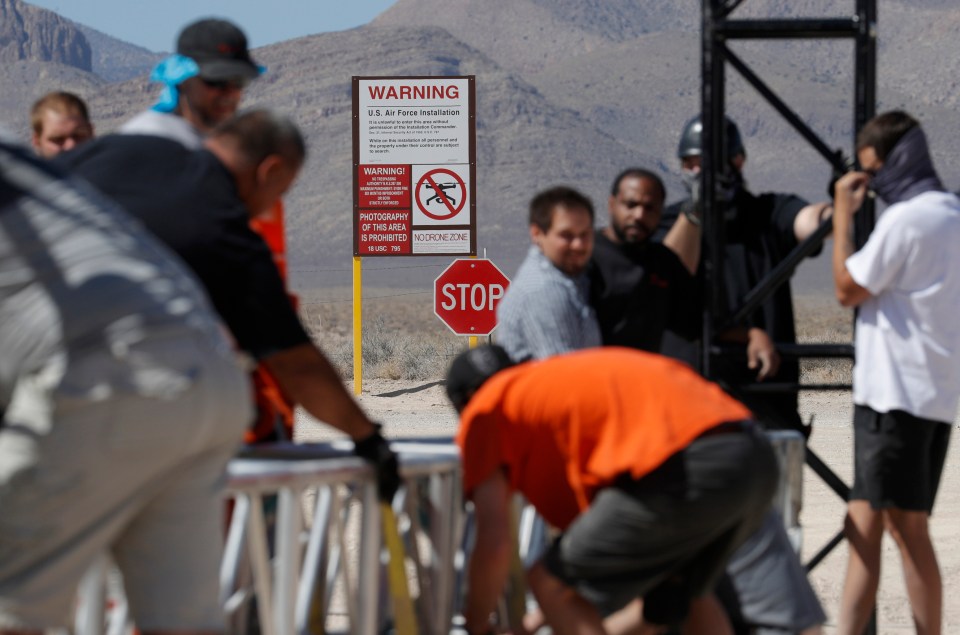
(274, 418)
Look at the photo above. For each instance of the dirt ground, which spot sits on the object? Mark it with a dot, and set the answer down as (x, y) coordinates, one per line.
(412, 409)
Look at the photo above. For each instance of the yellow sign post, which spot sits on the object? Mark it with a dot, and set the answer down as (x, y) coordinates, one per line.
(357, 325)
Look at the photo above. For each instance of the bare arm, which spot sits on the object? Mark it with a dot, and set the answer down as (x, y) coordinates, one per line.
(309, 379)
(762, 354)
(490, 560)
(850, 191)
(683, 239)
(809, 219)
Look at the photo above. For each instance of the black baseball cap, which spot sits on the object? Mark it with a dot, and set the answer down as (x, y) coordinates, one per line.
(219, 48)
(471, 369)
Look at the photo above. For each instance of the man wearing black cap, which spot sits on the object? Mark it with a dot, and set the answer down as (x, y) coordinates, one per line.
(204, 83)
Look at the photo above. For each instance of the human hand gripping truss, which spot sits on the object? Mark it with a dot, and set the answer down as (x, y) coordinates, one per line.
(376, 450)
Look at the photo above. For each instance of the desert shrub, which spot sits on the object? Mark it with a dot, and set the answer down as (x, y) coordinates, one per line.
(402, 339)
(820, 319)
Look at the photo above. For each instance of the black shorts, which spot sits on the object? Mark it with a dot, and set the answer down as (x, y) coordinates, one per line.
(898, 459)
(668, 535)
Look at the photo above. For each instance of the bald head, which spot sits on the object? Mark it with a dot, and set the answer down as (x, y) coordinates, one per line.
(264, 151)
(257, 134)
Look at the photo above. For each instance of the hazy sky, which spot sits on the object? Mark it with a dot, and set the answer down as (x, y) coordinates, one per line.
(154, 24)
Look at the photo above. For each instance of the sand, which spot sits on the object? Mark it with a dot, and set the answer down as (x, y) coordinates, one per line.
(410, 409)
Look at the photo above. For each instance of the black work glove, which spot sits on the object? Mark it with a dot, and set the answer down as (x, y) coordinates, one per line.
(376, 450)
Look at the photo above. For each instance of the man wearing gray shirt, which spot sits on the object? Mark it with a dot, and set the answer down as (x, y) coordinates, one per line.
(545, 311)
(121, 401)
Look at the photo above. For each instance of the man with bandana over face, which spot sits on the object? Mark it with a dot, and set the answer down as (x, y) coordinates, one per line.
(906, 380)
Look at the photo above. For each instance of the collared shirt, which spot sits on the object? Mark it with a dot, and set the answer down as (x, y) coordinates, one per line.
(545, 312)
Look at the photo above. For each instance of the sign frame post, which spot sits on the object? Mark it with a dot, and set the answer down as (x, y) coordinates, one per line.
(414, 174)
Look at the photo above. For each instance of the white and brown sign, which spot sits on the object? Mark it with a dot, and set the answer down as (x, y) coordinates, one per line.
(414, 166)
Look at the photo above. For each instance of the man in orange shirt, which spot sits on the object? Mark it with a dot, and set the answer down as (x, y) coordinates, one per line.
(653, 474)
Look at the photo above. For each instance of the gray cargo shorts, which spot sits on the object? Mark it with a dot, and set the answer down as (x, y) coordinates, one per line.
(667, 536)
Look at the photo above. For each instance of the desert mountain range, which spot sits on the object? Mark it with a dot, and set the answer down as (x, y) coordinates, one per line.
(568, 91)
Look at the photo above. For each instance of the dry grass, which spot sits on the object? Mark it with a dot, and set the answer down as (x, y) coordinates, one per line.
(403, 339)
(821, 320)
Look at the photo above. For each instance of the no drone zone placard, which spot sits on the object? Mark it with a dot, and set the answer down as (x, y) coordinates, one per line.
(414, 161)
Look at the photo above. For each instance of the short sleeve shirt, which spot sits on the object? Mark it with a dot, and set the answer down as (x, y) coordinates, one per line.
(188, 199)
(545, 312)
(639, 291)
(759, 236)
(566, 426)
(908, 334)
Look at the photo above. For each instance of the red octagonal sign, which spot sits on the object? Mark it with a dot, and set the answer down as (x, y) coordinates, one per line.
(466, 294)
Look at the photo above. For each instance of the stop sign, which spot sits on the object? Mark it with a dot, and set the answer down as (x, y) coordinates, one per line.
(466, 294)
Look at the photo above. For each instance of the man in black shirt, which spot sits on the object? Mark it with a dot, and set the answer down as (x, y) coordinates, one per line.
(200, 203)
(767, 585)
(639, 287)
(761, 230)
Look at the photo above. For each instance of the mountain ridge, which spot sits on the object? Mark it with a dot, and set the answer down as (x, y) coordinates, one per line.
(568, 91)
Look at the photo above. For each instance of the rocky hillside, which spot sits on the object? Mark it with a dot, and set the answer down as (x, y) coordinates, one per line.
(632, 68)
(524, 141)
(29, 33)
(41, 51)
(568, 91)
(115, 60)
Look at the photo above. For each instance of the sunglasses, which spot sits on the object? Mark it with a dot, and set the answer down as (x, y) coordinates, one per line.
(233, 83)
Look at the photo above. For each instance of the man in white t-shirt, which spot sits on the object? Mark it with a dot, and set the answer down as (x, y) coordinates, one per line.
(204, 81)
(906, 380)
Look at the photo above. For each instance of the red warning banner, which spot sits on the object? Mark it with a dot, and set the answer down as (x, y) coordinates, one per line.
(384, 186)
(382, 233)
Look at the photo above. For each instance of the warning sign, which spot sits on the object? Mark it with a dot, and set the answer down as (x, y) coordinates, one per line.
(414, 154)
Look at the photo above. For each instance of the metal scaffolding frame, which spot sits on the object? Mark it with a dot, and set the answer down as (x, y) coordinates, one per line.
(718, 28)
